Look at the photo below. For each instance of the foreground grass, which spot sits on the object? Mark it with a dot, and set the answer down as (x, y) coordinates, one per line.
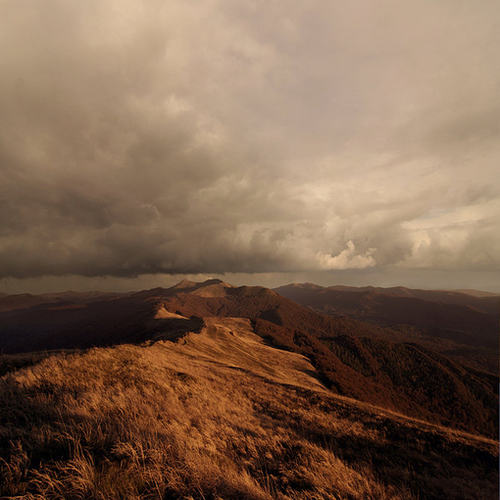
(174, 421)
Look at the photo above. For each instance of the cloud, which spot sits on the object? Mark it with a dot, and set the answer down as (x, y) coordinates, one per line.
(347, 259)
(187, 137)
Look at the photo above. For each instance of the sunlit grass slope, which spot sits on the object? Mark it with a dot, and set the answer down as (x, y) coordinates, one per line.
(218, 415)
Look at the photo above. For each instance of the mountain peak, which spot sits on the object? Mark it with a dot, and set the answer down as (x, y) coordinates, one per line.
(215, 281)
(212, 287)
(185, 283)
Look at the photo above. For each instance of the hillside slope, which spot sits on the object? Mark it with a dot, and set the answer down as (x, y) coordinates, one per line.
(218, 415)
(352, 358)
(458, 325)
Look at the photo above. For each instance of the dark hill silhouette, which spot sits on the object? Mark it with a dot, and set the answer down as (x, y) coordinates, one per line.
(353, 358)
(464, 297)
(317, 295)
(476, 293)
(458, 325)
(61, 299)
(61, 323)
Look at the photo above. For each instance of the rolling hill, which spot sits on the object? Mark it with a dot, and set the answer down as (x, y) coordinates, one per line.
(352, 358)
(218, 414)
(459, 325)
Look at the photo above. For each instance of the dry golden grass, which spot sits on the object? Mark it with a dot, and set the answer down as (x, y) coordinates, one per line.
(217, 415)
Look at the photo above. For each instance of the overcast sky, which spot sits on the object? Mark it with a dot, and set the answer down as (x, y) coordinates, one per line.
(278, 140)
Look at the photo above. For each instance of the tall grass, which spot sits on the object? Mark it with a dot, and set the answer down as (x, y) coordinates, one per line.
(161, 422)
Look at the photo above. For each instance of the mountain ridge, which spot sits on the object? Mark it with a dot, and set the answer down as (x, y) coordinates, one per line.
(351, 357)
(457, 325)
(219, 414)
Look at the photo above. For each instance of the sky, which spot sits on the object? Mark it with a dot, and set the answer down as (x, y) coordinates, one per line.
(264, 142)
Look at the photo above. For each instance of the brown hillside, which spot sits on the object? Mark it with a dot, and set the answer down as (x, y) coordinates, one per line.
(404, 379)
(461, 326)
(218, 415)
(27, 300)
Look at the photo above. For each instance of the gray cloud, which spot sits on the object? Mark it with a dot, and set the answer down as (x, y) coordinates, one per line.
(248, 137)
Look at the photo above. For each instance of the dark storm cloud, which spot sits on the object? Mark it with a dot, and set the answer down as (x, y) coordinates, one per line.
(183, 137)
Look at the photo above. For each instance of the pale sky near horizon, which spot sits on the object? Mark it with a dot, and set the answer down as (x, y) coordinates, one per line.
(264, 142)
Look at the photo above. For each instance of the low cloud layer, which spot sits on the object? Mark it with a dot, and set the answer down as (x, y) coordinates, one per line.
(248, 137)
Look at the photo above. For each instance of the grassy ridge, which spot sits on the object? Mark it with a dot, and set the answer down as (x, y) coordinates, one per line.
(396, 375)
(173, 421)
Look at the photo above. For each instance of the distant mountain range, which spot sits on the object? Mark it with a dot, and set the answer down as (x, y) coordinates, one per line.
(378, 346)
(460, 325)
